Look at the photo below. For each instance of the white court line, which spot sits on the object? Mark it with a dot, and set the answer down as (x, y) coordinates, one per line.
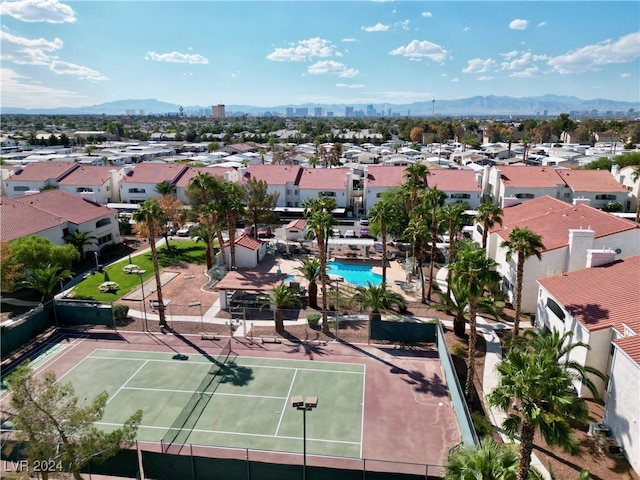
(362, 408)
(128, 380)
(192, 392)
(286, 400)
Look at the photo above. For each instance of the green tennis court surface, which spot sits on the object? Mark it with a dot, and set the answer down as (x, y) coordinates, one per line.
(250, 406)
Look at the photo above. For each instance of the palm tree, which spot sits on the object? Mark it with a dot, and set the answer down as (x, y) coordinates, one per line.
(434, 200)
(488, 215)
(80, 239)
(234, 208)
(545, 400)
(524, 243)
(45, 280)
(454, 217)
(310, 270)
(635, 176)
(486, 461)
(202, 234)
(380, 214)
(320, 221)
(378, 298)
(416, 231)
(416, 179)
(281, 297)
(165, 188)
(151, 216)
(473, 268)
(562, 346)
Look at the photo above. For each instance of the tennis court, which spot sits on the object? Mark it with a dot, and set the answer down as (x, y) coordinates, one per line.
(237, 401)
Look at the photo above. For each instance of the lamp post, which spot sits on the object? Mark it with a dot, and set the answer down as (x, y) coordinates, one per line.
(338, 281)
(305, 405)
(144, 307)
(95, 254)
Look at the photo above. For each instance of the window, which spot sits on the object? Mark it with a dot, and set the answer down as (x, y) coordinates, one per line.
(84, 189)
(105, 239)
(527, 196)
(605, 197)
(461, 196)
(378, 195)
(103, 222)
(327, 194)
(479, 229)
(20, 188)
(556, 309)
(136, 190)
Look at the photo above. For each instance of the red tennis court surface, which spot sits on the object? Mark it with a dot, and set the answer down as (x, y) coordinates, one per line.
(408, 416)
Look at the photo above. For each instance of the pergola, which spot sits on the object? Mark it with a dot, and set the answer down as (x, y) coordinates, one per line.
(237, 284)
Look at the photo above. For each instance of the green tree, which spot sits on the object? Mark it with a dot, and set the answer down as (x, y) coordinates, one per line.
(281, 297)
(416, 232)
(523, 243)
(486, 461)
(489, 215)
(203, 234)
(310, 271)
(542, 392)
(165, 188)
(434, 200)
(58, 427)
(473, 268)
(10, 269)
(378, 299)
(260, 205)
(234, 209)
(635, 176)
(80, 240)
(455, 219)
(150, 216)
(381, 214)
(34, 251)
(45, 280)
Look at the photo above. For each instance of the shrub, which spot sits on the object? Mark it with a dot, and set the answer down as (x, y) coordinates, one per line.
(120, 312)
(313, 319)
(459, 349)
(481, 424)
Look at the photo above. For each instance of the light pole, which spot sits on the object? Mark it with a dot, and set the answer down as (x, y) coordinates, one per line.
(95, 254)
(305, 405)
(338, 281)
(144, 307)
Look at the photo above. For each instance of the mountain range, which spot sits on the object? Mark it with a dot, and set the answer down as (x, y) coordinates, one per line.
(551, 105)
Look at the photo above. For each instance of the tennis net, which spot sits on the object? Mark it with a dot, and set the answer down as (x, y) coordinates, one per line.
(192, 410)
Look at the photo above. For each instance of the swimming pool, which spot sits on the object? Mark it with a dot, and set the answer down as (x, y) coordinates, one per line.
(354, 274)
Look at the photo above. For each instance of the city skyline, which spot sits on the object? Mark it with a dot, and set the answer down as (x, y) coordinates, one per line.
(264, 53)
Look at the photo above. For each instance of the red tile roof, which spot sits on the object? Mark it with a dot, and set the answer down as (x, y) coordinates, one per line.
(14, 215)
(453, 180)
(552, 219)
(155, 173)
(299, 224)
(192, 172)
(600, 297)
(249, 280)
(631, 346)
(323, 178)
(88, 175)
(529, 176)
(43, 171)
(70, 207)
(274, 174)
(591, 181)
(385, 176)
(246, 241)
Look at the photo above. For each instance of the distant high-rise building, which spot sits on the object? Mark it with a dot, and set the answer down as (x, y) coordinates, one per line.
(318, 111)
(290, 112)
(371, 112)
(348, 111)
(302, 112)
(130, 112)
(141, 112)
(218, 111)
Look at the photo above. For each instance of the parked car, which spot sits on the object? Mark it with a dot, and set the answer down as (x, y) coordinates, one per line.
(350, 234)
(336, 233)
(364, 221)
(186, 229)
(264, 232)
(364, 232)
(249, 231)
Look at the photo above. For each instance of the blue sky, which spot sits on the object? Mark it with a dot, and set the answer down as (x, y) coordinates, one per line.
(265, 53)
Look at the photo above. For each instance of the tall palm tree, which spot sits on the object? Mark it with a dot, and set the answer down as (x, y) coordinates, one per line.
(635, 176)
(380, 214)
(415, 180)
(378, 298)
(281, 297)
(489, 214)
(434, 200)
(81, 239)
(416, 231)
(310, 270)
(524, 243)
(486, 461)
(234, 208)
(45, 280)
(151, 216)
(545, 400)
(320, 222)
(454, 217)
(202, 234)
(165, 188)
(473, 268)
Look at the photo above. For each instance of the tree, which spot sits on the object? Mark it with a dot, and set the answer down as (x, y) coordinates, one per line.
(380, 215)
(416, 231)
(524, 243)
(172, 208)
(234, 209)
(9, 268)
(58, 427)
(473, 268)
(310, 270)
(281, 297)
(635, 176)
(542, 391)
(378, 298)
(260, 205)
(434, 200)
(415, 180)
(486, 461)
(34, 251)
(44, 280)
(80, 240)
(151, 216)
(203, 234)
(454, 217)
(165, 188)
(488, 215)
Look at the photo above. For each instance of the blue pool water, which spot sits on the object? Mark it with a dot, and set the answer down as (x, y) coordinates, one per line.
(354, 274)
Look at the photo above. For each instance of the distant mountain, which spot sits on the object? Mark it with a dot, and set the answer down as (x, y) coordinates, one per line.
(494, 106)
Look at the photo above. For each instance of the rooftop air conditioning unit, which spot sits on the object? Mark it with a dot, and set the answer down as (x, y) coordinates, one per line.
(598, 429)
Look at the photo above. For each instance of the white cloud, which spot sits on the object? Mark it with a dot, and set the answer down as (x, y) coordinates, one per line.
(346, 85)
(27, 51)
(329, 67)
(18, 91)
(426, 14)
(594, 57)
(542, 24)
(510, 55)
(176, 57)
(420, 49)
(49, 11)
(527, 72)
(455, 79)
(518, 24)
(525, 60)
(477, 65)
(348, 39)
(625, 75)
(466, 29)
(378, 27)
(85, 73)
(485, 78)
(404, 24)
(303, 50)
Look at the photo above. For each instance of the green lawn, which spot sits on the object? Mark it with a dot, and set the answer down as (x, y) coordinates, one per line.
(180, 251)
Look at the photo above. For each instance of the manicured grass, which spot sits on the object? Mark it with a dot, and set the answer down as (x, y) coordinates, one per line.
(180, 251)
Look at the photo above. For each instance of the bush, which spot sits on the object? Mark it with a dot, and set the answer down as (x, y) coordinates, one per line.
(459, 349)
(120, 312)
(313, 319)
(481, 424)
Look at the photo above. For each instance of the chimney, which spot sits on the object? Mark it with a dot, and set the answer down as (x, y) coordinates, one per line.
(114, 185)
(580, 241)
(597, 258)
(615, 170)
(582, 201)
